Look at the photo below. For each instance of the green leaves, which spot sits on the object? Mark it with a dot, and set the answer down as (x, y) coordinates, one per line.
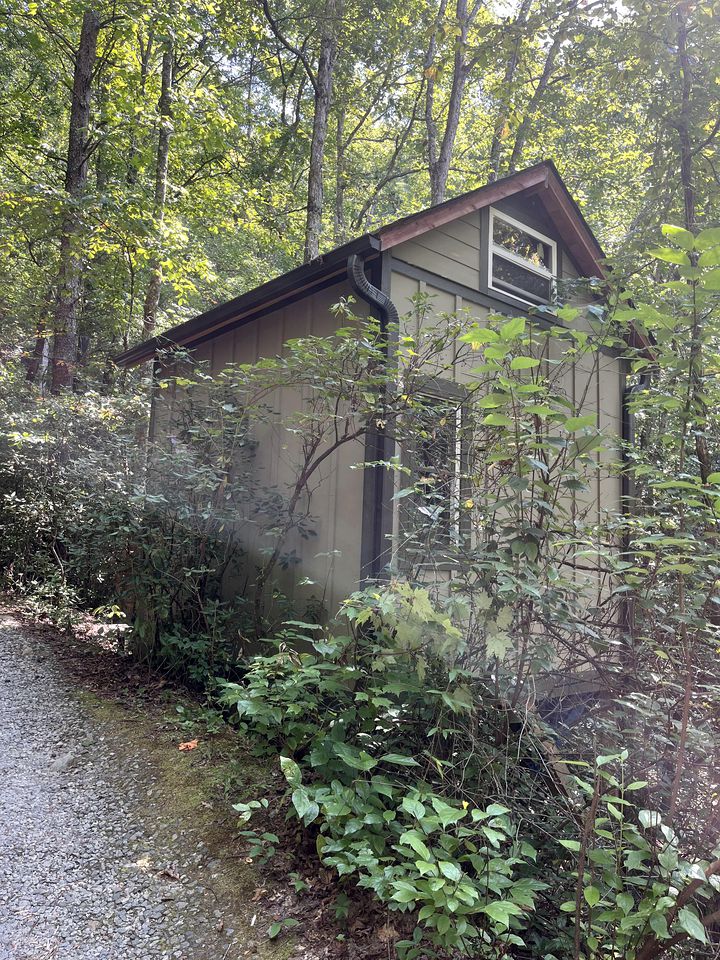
(649, 819)
(280, 926)
(658, 925)
(291, 771)
(502, 911)
(450, 870)
(306, 808)
(670, 255)
(683, 238)
(573, 845)
(497, 420)
(414, 839)
(689, 922)
(524, 363)
(708, 238)
(573, 424)
(399, 760)
(592, 896)
(512, 329)
(354, 758)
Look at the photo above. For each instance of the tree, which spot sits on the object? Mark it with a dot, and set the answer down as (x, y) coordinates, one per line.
(152, 295)
(321, 80)
(70, 275)
(440, 146)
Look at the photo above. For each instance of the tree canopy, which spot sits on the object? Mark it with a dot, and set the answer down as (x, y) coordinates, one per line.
(176, 155)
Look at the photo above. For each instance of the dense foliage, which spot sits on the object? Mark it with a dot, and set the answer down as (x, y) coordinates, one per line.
(513, 741)
(203, 133)
(423, 786)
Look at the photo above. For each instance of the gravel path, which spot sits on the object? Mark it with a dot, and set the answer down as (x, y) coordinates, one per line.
(87, 868)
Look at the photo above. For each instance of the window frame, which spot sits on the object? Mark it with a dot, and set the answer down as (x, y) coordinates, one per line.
(448, 392)
(516, 293)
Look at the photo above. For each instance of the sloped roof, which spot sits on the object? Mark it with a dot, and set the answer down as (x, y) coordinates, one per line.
(542, 179)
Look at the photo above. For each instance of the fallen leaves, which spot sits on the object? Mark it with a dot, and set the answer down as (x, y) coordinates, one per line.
(188, 745)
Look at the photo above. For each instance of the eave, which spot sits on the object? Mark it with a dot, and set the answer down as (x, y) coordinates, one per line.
(542, 180)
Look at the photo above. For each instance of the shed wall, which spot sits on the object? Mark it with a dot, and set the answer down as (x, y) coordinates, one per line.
(594, 382)
(329, 561)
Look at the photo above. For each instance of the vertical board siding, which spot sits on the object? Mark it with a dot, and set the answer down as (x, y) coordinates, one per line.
(592, 383)
(455, 252)
(331, 558)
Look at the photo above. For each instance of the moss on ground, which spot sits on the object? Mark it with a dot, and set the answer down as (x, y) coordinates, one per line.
(193, 791)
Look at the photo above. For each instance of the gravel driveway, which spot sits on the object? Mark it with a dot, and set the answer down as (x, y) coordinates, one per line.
(88, 867)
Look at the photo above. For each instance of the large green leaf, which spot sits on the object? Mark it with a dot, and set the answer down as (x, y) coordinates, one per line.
(502, 910)
(690, 923)
(670, 255)
(513, 328)
(291, 771)
(708, 238)
(711, 281)
(679, 235)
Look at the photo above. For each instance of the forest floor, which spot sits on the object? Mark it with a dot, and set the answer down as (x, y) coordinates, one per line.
(115, 844)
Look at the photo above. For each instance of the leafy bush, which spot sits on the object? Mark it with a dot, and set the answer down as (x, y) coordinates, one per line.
(397, 758)
(419, 784)
(87, 525)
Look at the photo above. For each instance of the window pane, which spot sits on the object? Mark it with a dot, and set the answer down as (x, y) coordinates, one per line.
(516, 279)
(436, 466)
(521, 243)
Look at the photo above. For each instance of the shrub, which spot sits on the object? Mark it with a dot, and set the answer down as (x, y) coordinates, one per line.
(398, 759)
(419, 784)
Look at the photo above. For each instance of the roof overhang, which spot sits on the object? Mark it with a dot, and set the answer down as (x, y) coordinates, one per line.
(542, 180)
(271, 295)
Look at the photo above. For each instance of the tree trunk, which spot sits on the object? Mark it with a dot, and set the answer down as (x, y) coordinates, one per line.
(146, 50)
(439, 159)
(510, 71)
(38, 361)
(70, 275)
(524, 127)
(340, 223)
(323, 93)
(430, 73)
(684, 121)
(152, 295)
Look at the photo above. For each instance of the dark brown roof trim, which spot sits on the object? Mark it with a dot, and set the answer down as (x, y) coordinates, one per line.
(542, 179)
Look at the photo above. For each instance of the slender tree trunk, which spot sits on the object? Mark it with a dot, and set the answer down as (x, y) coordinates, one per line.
(511, 66)
(323, 93)
(440, 157)
(146, 50)
(684, 121)
(430, 71)
(38, 361)
(536, 99)
(70, 276)
(152, 295)
(340, 223)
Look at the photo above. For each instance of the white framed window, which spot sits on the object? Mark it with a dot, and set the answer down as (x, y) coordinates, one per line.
(521, 261)
(432, 517)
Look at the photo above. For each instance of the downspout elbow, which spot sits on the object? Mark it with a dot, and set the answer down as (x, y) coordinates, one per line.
(370, 293)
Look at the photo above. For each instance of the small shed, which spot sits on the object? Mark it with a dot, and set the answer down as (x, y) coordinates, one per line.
(471, 253)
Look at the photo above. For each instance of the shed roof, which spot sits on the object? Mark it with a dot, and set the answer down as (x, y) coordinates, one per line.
(542, 178)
